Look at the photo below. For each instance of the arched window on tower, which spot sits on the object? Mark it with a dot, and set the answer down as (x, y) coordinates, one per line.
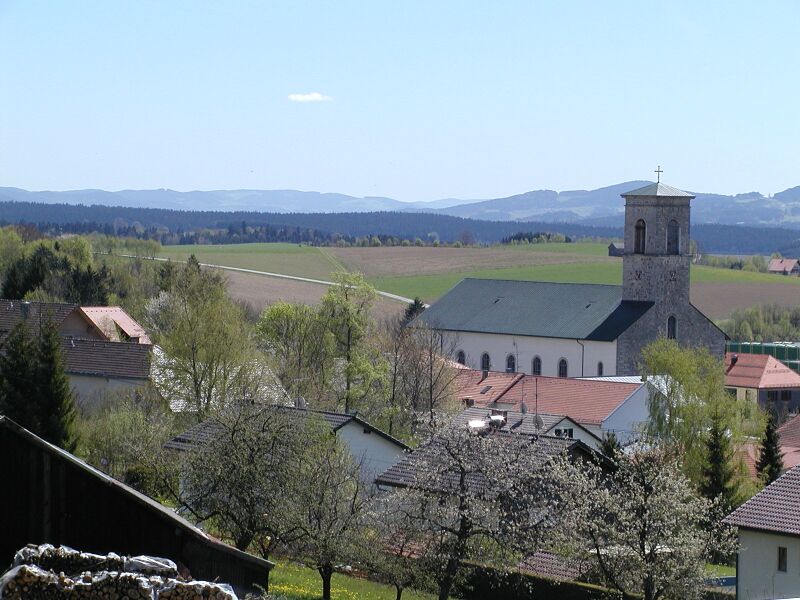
(673, 237)
(537, 366)
(461, 358)
(562, 367)
(640, 237)
(485, 363)
(511, 364)
(672, 327)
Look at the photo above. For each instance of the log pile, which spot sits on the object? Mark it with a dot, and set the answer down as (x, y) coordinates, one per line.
(39, 574)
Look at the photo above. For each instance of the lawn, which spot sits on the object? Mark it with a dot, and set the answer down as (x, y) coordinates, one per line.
(287, 259)
(298, 582)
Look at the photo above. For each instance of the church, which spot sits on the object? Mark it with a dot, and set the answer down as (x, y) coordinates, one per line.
(586, 330)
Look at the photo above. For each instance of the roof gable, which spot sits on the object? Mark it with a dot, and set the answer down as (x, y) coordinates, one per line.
(758, 371)
(13, 311)
(775, 508)
(534, 308)
(115, 323)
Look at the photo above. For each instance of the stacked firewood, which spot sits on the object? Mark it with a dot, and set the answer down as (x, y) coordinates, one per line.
(39, 574)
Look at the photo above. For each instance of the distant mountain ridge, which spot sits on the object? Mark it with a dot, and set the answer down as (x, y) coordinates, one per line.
(599, 207)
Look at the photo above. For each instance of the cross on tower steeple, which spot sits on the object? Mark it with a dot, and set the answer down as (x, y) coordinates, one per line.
(658, 173)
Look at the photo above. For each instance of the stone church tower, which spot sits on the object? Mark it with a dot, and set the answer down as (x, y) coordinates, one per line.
(655, 270)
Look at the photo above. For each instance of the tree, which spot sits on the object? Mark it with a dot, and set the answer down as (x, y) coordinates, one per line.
(610, 445)
(413, 310)
(643, 526)
(718, 476)
(346, 306)
(482, 497)
(770, 459)
(690, 385)
(18, 383)
(208, 356)
(55, 400)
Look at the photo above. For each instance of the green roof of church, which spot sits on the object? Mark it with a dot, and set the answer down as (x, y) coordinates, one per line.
(535, 308)
(659, 189)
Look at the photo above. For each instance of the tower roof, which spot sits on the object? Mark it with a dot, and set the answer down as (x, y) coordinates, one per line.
(658, 189)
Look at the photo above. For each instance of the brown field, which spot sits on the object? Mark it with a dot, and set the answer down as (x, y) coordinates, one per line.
(259, 291)
(718, 300)
(399, 261)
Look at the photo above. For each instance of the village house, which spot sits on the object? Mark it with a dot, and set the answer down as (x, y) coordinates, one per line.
(51, 496)
(784, 266)
(582, 330)
(374, 449)
(763, 379)
(768, 561)
(599, 406)
(106, 352)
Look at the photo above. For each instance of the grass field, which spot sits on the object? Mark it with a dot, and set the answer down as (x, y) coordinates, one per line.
(298, 582)
(429, 272)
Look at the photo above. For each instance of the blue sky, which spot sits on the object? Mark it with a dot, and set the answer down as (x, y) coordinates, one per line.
(421, 100)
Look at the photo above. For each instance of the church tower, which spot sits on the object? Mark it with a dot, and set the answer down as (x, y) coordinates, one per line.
(655, 264)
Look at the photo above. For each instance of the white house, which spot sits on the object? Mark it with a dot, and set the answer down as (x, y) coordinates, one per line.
(768, 562)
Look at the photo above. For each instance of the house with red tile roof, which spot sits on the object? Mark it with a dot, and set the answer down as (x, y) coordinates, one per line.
(765, 379)
(769, 541)
(784, 266)
(599, 406)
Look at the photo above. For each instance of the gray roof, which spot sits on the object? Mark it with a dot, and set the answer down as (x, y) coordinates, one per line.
(658, 189)
(203, 432)
(776, 508)
(535, 308)
(518, 422)
(100, 358)
(13, 311)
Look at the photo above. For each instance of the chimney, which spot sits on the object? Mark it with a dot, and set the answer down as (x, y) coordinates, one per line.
(734, 359)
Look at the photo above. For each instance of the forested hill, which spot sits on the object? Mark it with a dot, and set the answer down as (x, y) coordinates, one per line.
(731, 239)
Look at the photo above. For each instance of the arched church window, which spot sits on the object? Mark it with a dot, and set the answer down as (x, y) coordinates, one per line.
(511, 364)
(485, 363)
(537, 366)
(673, 237)
(640, 237)
(461, 358)
(562, 367)
(672, 328)
(600, 369)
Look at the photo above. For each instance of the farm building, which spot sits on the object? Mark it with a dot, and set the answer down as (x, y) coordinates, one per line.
(582, 330)
(374, 449)
(786, 352)
(784, 266)
(618, 405)
(616, 249)
(50, 496)
(763, 379)
(769, 541)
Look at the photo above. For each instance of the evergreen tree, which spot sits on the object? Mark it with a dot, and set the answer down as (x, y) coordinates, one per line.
(770, 461)
(718, 477)
(416, 308)
(18, 378)
(610, 446)
(54, 400)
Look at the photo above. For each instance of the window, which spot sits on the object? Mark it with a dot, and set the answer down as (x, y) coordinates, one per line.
(772, 395)
(562, 367)
(461, 358)
(673, 237)
(511, 364)
(672, 328)
(536, 369)
(600, 369)
(786, 395)
(782, 559)
(566, 432)
(485, 363)
(640, 237)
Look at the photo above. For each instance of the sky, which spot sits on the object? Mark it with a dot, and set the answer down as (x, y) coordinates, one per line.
(410, 100)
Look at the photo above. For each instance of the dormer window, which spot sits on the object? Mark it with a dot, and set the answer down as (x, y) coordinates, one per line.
(640, 237)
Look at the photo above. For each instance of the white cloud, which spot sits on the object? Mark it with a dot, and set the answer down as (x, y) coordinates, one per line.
(312, 97)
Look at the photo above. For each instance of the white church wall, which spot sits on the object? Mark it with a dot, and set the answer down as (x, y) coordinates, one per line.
(550, 350)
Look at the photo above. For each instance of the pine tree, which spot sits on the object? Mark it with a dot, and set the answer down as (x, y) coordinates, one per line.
(770, 461)
(18, 378)
(610, 445)
(718, 481)
(55, 401)
(416, 308)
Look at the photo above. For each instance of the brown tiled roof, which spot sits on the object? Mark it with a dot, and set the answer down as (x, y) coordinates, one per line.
(775, 508)
(113, 320)
(758, 371)
(586, 401)
(106, 359)
(11, 312)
